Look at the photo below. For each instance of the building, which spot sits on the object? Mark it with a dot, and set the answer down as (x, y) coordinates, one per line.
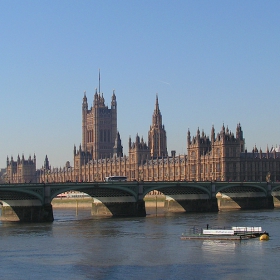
(221, 156)
(21, 170)
(99, 126)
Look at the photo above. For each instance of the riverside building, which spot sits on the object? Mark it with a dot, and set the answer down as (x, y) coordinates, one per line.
(221, 156)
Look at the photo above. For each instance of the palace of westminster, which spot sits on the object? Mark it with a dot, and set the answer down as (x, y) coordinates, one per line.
(220, 156)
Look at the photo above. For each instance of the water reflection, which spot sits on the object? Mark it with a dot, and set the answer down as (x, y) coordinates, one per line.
(219, 246)
(84, 247)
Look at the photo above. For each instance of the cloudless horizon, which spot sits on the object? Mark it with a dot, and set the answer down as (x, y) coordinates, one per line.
(210, 62)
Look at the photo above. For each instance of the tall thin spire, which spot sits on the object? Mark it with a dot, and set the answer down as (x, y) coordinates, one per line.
(99, 81)
(157, 106)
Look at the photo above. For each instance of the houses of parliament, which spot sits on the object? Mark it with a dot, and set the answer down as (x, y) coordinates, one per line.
(221, 156)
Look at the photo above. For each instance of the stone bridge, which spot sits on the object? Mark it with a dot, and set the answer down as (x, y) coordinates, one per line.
(32, 202)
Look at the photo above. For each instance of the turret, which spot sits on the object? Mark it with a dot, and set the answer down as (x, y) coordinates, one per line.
(139, 151)
(95, 99)
(46, 163)
(189, 138)
(118, 148)
(114, 101)
(197, 135)
(213, 134)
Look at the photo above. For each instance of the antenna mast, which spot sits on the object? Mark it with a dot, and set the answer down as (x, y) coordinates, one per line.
(99, 81)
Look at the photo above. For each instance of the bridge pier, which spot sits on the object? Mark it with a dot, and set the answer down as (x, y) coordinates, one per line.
(245, 203)
(119, 209)
(32, 214)
(191, 205)
(276, 201)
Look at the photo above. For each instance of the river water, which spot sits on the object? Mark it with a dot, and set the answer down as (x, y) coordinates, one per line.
(83, 247)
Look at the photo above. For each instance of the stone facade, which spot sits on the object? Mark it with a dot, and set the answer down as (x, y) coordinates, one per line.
(220, 157)
(99, 126)
(21, 170)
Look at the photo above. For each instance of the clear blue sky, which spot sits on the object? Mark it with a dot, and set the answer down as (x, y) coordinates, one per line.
(211, 62)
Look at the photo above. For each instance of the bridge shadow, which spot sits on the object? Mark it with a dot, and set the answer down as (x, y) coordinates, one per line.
(244, 198)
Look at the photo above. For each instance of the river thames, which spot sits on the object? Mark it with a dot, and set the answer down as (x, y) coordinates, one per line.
(83, 247)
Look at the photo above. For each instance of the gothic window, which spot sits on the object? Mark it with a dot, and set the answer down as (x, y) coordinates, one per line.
(218, 152)
(218, 167)
(193, 169)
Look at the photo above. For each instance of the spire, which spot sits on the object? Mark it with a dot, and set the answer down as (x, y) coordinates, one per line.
(157, 106)
(118, 148)
(157, 134)
(99, 81)
(137, 139)
(213, 134)
(157, 118)
(46, 163)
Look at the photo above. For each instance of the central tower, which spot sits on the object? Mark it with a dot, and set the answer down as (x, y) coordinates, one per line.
(99, 126)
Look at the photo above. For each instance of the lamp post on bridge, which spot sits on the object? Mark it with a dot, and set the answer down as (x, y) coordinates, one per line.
(96, 177)
(141, 177)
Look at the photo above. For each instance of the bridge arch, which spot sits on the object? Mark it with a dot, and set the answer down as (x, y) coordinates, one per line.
(185, 196)
(7, 194)
(183, 188)
(93, 189)
(244, 195)
(275, 187)
(25, 202)
(240, 187)
(116, 199)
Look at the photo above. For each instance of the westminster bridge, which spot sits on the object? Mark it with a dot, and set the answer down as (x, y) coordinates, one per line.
(32, 202)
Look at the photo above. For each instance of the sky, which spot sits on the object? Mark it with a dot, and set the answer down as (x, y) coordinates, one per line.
(210, 62)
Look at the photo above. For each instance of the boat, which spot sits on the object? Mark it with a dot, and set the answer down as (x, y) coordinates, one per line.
(233, 233)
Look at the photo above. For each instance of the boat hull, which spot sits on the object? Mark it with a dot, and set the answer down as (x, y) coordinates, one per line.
(218, 237)
(235, 233)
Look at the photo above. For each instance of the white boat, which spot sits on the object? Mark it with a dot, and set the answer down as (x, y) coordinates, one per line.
(234, 233)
